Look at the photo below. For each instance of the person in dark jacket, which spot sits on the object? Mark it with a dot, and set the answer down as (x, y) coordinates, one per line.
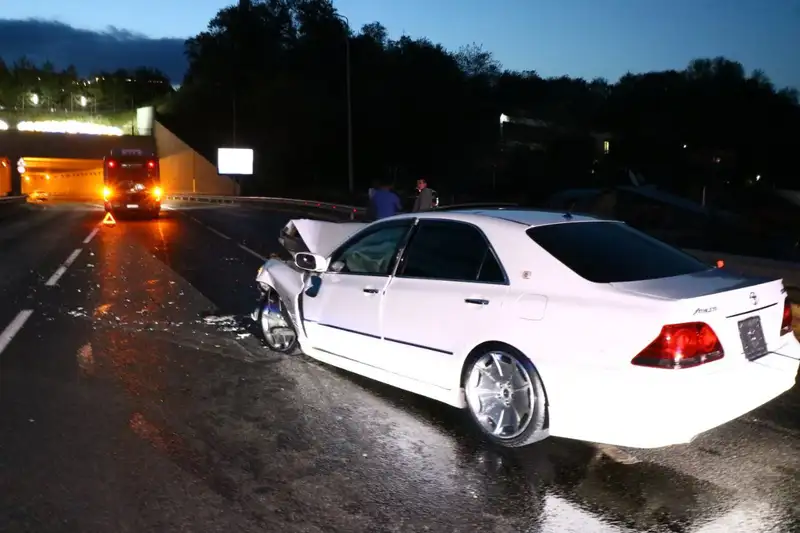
(384, 202)
(425, 198)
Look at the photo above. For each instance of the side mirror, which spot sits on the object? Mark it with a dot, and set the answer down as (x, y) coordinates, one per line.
(310, 262)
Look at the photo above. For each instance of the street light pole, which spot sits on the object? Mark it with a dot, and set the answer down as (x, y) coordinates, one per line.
(350, 178)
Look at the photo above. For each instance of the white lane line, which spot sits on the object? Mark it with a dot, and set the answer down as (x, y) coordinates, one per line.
(88, 239)
(192, 218)
(72, 257)
(252, 252)
(13, 328)
(212, 230)
(63, 268)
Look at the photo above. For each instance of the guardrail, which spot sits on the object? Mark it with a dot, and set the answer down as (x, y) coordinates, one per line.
(750, 265)
(349, 211)
(9, 205)
(7, 200)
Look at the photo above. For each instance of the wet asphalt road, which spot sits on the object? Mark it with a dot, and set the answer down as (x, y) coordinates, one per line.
(136, 398)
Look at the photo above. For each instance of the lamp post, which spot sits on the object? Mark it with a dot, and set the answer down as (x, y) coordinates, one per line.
(350, 178)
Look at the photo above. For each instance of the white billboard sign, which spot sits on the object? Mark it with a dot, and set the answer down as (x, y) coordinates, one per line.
(235, 161)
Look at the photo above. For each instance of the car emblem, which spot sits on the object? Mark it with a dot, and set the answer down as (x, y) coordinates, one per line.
(754, 298)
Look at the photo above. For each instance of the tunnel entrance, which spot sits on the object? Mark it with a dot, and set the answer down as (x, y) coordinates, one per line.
(61, 178)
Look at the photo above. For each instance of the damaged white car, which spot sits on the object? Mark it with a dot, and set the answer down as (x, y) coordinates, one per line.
(538, 323)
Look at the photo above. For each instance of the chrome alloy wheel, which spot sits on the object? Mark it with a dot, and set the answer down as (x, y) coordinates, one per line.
(279, 335)
(500, 395)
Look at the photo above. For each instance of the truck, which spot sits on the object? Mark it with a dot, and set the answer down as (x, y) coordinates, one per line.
(132, 182)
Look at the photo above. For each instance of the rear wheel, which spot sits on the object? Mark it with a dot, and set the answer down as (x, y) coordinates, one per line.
(276, 326)
(505, 396)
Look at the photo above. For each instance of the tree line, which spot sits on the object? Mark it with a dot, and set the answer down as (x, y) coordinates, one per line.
(25, 86)
(271, 75)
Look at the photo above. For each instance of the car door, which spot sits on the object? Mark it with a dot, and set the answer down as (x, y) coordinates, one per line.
(448, 287)
(341, 307)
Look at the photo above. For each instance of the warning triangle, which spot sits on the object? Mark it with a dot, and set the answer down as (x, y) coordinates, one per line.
(109, 220)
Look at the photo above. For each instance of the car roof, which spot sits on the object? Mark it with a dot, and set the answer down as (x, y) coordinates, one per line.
(519, 215)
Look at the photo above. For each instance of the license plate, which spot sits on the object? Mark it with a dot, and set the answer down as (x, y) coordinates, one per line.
(752, 335)
(133, 206)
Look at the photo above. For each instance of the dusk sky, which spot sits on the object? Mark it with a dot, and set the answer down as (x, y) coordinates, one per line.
(587, 38)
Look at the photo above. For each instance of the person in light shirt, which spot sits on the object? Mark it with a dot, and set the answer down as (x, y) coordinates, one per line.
(425, 197)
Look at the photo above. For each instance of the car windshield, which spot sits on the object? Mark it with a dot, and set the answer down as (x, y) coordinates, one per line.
(613, 252)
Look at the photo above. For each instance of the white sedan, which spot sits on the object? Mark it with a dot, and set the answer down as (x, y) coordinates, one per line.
(539, 323)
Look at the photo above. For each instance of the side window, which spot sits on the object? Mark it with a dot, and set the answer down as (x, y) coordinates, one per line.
(491, 271)
(371, 254)
(450, 251)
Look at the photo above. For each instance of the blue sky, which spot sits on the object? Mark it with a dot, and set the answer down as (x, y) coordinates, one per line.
(577, 37)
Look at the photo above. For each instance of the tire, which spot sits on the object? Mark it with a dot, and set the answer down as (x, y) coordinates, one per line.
(487, 397)
(277, 329)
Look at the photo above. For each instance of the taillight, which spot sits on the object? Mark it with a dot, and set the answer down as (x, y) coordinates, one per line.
(681, 346)
(151, 164)
(786, 323)
(112, 163)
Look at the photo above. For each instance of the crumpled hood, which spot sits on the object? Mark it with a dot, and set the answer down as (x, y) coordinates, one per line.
(320, 237)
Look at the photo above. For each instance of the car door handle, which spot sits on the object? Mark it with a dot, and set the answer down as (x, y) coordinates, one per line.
(476, 301)
(371, 291)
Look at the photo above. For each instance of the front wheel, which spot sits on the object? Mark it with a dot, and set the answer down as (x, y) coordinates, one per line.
(505, 397)
(276, 326)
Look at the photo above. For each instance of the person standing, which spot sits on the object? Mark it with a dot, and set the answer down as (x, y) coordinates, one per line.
(424, 200)
(384, 202)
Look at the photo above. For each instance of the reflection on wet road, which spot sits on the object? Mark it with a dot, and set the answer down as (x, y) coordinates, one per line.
(136, 398)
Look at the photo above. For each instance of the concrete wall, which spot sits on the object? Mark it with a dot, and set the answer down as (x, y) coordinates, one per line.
(185, 171)
(86, 184)
(15, 144)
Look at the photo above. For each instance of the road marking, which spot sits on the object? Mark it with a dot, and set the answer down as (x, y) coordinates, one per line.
(63, 268)
(252, 252)
(88, 239)
(212, 230)
(192, 218)
(13, 328)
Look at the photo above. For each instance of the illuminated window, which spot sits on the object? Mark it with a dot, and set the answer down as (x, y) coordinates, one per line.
(606, 146)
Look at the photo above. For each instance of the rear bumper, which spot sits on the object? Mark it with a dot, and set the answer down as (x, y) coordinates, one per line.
(133, 205)
(666, 407)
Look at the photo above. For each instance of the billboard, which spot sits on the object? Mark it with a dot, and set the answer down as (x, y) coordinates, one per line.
(235, 161)
(144, 120)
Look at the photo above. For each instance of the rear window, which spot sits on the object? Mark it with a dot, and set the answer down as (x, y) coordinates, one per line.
(612, 252)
